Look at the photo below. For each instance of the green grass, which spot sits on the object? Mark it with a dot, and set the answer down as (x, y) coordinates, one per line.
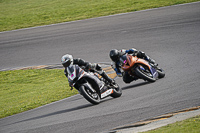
(191, 125)
(17, 14)
(22, 90)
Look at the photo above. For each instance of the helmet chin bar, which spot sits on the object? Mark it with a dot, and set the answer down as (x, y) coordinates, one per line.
(66, 60)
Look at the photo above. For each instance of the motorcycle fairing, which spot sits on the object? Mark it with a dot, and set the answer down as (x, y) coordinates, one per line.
(130, 61)
(87, 85)
(93, 81)
(107, 93)
(74, 73)
(154, 72)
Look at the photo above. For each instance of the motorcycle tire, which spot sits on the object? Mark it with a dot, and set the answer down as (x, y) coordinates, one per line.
(93, 98)
(117, 91)
(140, 73)
(161, 73)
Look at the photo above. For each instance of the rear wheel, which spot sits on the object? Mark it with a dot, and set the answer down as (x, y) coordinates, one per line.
(117, 91)
(90, 96)
(144, 74)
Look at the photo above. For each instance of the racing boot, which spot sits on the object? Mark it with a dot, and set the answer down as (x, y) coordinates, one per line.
(150, 60)
(107, 78)
(142, 55)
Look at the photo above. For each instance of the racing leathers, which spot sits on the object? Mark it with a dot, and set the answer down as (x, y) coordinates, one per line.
(116, 65)
(90, 66)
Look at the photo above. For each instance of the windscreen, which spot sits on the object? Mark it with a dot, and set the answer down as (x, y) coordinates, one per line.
(71, 69)
(122, 60)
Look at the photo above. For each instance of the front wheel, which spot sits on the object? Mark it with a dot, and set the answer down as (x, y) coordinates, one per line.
(144, 74)
(90, 96)
(117, 91)
(161, 73)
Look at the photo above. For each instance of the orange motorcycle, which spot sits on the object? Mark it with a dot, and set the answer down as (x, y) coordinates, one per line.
(140, 68)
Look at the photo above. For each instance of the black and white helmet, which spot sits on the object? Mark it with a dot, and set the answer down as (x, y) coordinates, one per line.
(67, 60)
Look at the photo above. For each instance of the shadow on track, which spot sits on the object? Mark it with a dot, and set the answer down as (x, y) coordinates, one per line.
(78, 107)
(55, 113)
(135, 85)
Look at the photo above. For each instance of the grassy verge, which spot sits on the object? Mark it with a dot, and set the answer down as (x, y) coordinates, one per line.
(191, 125)
(17, 14)
(21, 90)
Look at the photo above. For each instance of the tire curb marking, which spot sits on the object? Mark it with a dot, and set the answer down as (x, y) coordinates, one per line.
(148, 121)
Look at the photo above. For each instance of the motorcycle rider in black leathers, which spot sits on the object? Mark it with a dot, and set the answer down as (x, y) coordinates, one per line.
(67, 60)
(115, 56)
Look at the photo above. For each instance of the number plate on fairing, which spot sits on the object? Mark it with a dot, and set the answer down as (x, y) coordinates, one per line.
(106, 93)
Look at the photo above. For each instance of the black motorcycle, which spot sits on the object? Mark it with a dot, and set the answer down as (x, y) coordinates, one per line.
(90, 84)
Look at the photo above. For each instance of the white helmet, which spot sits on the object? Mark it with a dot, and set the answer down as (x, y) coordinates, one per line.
(67, 60)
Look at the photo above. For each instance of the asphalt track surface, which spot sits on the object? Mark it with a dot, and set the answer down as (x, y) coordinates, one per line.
(170, 35)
